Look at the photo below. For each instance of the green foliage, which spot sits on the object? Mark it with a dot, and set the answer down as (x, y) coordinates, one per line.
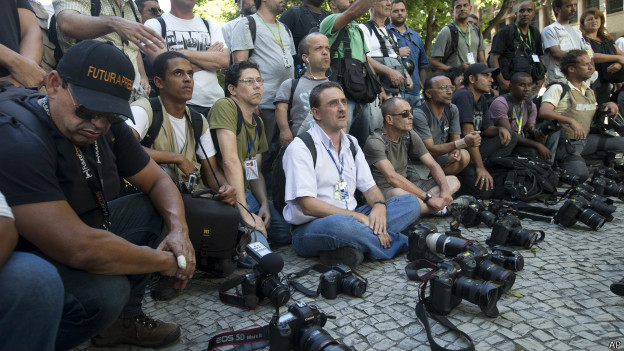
(220, 11)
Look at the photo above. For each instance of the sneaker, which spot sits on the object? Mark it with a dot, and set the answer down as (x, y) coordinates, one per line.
(618, 287)
(345, 255)
(459, 203)
(161, 288)
(141, 331)
(443, 212)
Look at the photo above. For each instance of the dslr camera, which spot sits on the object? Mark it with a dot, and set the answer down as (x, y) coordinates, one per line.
(575, 208)
(342, 279)
(475, 213)
(507, 230)
(449, 287)
(301, 329)
(263, 282)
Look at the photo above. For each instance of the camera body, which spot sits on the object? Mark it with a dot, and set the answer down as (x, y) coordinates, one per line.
(475, 213)
(263, 282)
(301, 329)
(575, 209)
(417, 242)
(341, 279)
(507, 230)
(506, 258)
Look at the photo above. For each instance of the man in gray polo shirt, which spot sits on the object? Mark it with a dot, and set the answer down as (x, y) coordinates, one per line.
(470, 47)
(437, 123)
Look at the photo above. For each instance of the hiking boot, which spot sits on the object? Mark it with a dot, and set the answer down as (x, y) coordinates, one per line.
(161, 287)
(345, 255)
(141, 331)
(618, 287)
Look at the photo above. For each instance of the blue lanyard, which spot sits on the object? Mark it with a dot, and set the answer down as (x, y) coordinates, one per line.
(249, 146)
(441, 123)
(334, 161)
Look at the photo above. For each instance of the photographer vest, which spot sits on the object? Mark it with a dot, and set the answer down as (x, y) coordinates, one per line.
(165, 140)
(581, 108)
(393, 62)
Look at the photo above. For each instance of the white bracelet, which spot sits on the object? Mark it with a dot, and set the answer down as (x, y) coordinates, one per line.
(181, 262)
(461, 143)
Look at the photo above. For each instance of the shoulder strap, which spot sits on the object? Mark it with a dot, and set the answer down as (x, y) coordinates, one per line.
(293, 86)
(157, 121)
(510, 104)
(423, 315)
(309, 143)
(334, 48)
(134, 11)
(372, 27)
(197, 123)
(207, 26)
(352, 146)
(239, 120)
(452, 49)
(252, 30)
(163, 27)
(21, 111)
(96, 7)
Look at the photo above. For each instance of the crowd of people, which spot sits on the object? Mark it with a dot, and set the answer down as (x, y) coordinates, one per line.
(127, 91)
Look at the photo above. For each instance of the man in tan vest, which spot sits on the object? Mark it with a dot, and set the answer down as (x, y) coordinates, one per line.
(575, 110)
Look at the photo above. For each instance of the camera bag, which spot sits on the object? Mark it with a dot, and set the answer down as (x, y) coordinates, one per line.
(356, 77)
(521, 178)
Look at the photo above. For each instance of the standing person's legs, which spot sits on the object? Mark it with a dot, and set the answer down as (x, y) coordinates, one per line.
(270, 125)
(31, 303)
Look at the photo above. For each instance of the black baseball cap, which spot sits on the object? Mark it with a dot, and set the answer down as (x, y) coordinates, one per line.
(101, 76)
(477, 68)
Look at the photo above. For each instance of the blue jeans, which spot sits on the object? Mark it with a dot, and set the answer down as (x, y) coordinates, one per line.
(278, 231)
(336, 231)
(31, 303)
(94, 301)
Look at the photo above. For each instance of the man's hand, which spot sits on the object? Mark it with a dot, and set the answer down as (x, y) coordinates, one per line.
(186, 166)
(448, 198)
(504, 84)
(454, 156)
(543, 152)
(539, 136)
(145, 85)
(139, 34)
(436, 203)
(216, 47)
(611, 109)
(286, 137)
(377, 223)
(396, 78)
(614, 67)
(410, 83)
(253, 221)
(179, 243)
(579, 132)
(227, 194)
(27, 72)
(504, 136)
(404, 51)
(484, 180)
(265, 213)
(382, 97)
(466, 64)
(473, 139)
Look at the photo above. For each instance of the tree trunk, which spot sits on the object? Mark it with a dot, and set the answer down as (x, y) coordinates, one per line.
(549, 17)
(430, 30)
(504, 8)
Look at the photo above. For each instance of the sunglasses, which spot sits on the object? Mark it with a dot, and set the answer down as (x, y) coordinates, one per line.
(404, 113)
(86, 114)
(155, 11)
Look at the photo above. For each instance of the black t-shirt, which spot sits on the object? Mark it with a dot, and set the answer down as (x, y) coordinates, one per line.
(300, 20)
(503, 42)
(471, 111)
(31, 172)
(10, 26)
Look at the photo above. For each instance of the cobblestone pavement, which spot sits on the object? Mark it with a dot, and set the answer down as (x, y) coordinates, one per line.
(564, 302)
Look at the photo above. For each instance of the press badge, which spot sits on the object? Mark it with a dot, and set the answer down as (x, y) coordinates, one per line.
(251, 168)
(471, 59)
(535, 58)
(341, 191)
(287, 62)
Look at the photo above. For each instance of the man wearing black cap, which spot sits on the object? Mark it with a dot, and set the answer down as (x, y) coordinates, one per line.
(61, 183)
(473, 116)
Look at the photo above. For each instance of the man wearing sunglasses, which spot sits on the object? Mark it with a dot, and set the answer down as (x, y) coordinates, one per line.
(387, 151)
(77, 146)
(149, 9)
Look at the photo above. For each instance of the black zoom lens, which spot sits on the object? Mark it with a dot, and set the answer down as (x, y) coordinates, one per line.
(353, 286)
(315, 338)
(275, 291)
(591, 219)
(495, 273)
(483, 294)
(522, 237)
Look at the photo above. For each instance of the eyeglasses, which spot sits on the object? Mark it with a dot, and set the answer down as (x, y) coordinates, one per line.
(156, 11)
(446, 87)
(250, 81)
(404, 113)
(86, 114)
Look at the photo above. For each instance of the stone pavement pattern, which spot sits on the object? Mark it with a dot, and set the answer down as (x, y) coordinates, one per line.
(566, 303)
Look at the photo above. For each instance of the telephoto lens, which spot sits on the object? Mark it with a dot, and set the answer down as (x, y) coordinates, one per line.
(573, 210)
(490, 271)
(481, 293)
(614, 189)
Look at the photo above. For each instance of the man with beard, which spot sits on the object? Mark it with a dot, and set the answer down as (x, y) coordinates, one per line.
(473, 116)
(411, 50)
(246, 8)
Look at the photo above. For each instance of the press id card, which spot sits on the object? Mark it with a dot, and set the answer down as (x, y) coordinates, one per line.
(341, 191)
(471, 58)
(251, 168)
(535, 58)
(287, 62)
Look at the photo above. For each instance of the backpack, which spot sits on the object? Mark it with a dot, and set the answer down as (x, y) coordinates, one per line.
(451, 49)
(538, 99)
(278, 181)
(239, 127)
(293, 86)
(197, 123)
(522, 59)
(521, 178)
(96, 7)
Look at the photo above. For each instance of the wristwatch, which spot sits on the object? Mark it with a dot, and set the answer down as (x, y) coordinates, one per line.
(427, 197)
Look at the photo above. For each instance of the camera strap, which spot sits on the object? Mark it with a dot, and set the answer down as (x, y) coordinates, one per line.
(423, 315)
(248, 302)
(246, 340)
